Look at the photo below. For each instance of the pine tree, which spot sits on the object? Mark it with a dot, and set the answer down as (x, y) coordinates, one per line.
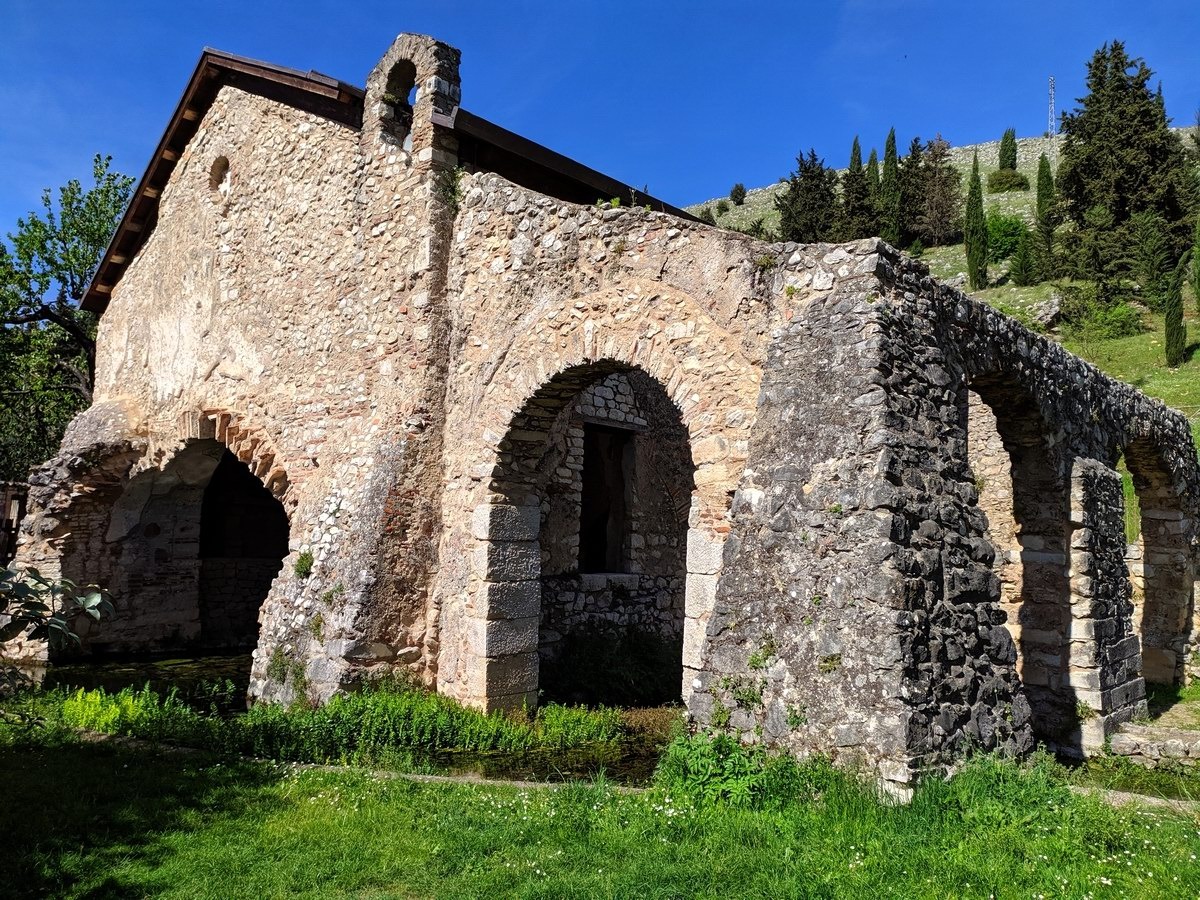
(1022, 269)
(857, 214)
(1119, 152)
(1008, 150)
(1176, 331)
(889, 193)
(912, 192)
(939, 219)
(1047, 219)
(737, 194)
(975, 232)
(808, 209)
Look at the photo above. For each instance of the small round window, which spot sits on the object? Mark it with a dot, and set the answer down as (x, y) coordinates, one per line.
(218, 178)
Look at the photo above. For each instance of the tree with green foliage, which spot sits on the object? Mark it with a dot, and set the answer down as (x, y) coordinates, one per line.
(737, 194)
(1022, 269)
(1047, 219)
(1120, 154)
(1151, 257)
(1008, 150)
(722, 207)
(912, 192)
(873, 186)
(975, 232)
(858, 217)
(1004, 233)
(47, 343)
(808, 209)
(1176, 331)
(939, 218)
(889, 193)
(706, 215)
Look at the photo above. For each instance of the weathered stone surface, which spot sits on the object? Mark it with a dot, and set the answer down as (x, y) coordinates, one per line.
(876, 518)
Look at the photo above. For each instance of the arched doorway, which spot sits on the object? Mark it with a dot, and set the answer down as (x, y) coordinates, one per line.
(1025, 497)
(588, 532)
(191, 549)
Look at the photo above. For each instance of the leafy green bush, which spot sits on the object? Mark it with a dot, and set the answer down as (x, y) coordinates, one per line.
(355, 727)
(1086, 314)
(722, 207)
(1004, 234)
(718, 768)
(1004, 180)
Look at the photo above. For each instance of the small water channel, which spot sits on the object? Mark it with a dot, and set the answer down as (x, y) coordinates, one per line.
(218, 685)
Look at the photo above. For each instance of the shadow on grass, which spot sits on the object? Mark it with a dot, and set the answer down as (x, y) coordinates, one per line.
(73, 814)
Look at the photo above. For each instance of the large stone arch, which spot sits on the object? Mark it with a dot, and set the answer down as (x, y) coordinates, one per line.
(1023, 486)
(492, 659)
(130, 519)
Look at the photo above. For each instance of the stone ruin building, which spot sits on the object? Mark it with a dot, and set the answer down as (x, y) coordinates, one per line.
(383, 386)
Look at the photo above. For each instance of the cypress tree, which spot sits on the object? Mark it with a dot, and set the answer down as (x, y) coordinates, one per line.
(1022, 270)
(808, 210)
(1008, 150)
(939, 217)
(975, 233)
(1176, 331)
(912, 192)
(857, 218)
(1047, 219)
(1120, 153)
(873, 187)
(889, 193)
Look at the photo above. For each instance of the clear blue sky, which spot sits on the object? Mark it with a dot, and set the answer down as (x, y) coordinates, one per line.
(687, 97)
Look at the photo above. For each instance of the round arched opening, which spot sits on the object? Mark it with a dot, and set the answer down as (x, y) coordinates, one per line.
(1025, 497)
(190, 553)
(598, 468)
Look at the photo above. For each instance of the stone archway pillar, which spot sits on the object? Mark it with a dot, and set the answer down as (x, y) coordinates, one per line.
(1105, 659)
(502, 632)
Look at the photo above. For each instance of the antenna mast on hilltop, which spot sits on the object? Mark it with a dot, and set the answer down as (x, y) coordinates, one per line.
(1051, 125)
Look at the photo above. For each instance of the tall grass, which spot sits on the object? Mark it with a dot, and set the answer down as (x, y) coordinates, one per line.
(355, 727)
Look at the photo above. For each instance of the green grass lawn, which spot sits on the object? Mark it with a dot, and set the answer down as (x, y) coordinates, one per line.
(87, 820)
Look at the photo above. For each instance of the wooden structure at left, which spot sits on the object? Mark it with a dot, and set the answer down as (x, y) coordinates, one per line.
(13, 495)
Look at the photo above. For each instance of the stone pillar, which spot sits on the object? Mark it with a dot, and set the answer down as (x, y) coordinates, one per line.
(704, 552)
(501, 659)
(1105, 661)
